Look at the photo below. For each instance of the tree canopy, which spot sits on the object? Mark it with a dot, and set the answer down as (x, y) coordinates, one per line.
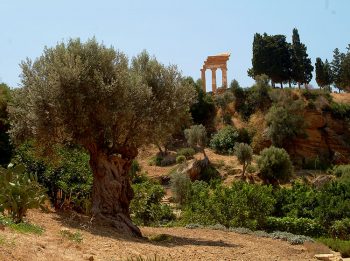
(88, 94)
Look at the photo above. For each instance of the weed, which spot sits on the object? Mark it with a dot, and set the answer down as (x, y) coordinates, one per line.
(76, 236)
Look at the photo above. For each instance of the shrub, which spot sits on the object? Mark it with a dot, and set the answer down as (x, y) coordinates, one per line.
(68, 178)
(341, 170)
(187, 152)
(284, 124)
(241, 205)
(224, 140)
(75, 237)
(244, 154)
(180, 159)
(275, 164)
(19, 191)
(299, 201)
(299, 226)
(291, 238)
(339, 110)
(180, 187)
(146, 208)
(162, 160)
(196, 136)
(209, 173)
(244, 136)
(338, 245)
(340, 229)
(333, 203)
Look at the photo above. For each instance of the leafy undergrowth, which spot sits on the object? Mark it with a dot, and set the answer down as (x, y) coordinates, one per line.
(285, 236)
(75, 237)
(160, 238)
(342, 246)
(22, 227)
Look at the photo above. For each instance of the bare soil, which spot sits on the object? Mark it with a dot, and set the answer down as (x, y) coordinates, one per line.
(102, 243)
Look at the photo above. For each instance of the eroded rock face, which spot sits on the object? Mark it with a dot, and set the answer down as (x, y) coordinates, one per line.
(327, 138)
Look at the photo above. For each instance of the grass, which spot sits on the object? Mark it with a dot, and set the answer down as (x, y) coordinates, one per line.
(23, 227)
(160, 238)
(76, 236)
(338, 245)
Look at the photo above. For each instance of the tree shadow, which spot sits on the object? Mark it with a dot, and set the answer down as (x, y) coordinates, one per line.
(77, 221)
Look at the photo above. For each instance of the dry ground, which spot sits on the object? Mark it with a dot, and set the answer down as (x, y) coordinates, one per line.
(103, 244)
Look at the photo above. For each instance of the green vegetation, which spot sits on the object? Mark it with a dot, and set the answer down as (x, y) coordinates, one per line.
(19, 191)
(299, 226)
(187, 152)
(5, 144)
(180, 187)
(196, 137)
(224, 140)
(68, 178)
(244, 154)
(146, 208)
(338, 245)
(23, 227)
(238, 205)
(75, 237)
(275, 165)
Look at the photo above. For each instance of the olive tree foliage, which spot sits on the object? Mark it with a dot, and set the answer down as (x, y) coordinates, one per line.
(244, 154)
(196, 136)
(89, 94)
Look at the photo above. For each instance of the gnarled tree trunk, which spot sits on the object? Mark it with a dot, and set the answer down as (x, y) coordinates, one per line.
(112, 191)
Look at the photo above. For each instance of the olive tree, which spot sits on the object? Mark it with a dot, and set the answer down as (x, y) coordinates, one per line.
(244, 154)
(88, 94)
(196, 136)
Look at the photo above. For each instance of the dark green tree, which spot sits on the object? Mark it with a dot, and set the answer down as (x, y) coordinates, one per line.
(301, 70)
(88, 94)
(336, 67)
(5, 145)
(323, 73)
(271, 56)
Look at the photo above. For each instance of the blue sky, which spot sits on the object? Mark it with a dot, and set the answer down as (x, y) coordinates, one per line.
(181, 32)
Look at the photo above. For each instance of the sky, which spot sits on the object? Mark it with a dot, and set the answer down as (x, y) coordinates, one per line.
(181, 32)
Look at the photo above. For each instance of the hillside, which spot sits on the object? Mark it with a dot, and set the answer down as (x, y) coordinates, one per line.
(100, 243)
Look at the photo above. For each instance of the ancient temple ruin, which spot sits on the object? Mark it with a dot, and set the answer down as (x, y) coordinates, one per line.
(213, 63)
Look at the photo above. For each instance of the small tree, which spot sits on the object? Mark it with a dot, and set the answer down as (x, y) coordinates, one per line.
(275, 164)
(244, 154)
(19, 191)
(196, 136)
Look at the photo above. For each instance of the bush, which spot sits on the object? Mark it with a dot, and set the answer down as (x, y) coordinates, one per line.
(339, 110)
(340, 229)
(299, 226)
(275, 164)
(68, 178)
(146, 208)
(180, 187)
(241, 205)
(337, 245)
(19, 191)
(284, 124)
(180, 159)
(162, 161)
(244, 154)
(187, 152)
(341, 170)
(299, 201)
(224, 140)
(333, 203)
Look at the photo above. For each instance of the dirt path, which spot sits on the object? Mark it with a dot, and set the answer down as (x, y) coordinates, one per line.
(104, 244)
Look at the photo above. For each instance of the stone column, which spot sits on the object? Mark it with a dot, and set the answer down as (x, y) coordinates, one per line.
(224, 77)
(213, 80)
(203, 80)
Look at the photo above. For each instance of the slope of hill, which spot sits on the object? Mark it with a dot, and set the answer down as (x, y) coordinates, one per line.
(100, 243)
